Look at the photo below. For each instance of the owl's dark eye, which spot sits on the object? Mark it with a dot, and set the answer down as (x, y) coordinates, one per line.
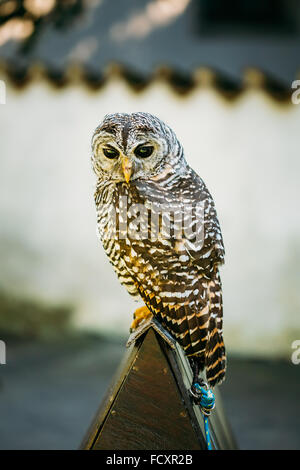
(144, 151)
(111, 152)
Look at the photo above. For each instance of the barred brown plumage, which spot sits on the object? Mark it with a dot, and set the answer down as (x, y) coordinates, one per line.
(158, 225)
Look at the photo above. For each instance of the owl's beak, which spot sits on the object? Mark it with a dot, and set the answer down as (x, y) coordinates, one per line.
(127, 168)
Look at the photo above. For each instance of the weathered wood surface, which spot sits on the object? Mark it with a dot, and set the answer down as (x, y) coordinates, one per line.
(148, 407)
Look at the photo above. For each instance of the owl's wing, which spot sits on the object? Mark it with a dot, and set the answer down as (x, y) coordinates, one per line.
(202, 241)
(206, 252)
(178, 277)
(188, 207)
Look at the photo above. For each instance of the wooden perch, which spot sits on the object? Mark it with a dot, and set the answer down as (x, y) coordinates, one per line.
(148, 405)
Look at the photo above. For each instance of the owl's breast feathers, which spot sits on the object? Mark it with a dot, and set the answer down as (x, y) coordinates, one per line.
(175, 272)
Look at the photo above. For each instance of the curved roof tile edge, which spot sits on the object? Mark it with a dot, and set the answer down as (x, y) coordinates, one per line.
(180, 83)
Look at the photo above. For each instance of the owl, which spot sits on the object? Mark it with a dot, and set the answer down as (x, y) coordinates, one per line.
(158, 224)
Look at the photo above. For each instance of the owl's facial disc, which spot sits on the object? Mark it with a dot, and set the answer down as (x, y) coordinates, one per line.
(130, 147)
(140, 159)
(111, 161)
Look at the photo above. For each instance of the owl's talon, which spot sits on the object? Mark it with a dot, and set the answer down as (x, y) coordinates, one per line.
(141, 314)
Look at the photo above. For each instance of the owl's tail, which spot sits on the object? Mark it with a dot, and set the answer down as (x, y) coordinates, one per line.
(215, 356)
(215, 359)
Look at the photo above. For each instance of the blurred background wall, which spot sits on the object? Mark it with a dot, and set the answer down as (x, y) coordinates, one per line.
(229, 101)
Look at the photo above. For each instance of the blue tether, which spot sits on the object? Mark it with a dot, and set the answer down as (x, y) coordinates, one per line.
(205, 398)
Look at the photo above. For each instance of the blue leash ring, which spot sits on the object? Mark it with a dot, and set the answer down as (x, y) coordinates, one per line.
(205, 398)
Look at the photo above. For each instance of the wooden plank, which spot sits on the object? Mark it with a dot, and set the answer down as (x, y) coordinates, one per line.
(109, 398)
(148, 405)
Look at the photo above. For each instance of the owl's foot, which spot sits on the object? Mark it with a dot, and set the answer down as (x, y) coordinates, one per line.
(197, 365)
(141, 314)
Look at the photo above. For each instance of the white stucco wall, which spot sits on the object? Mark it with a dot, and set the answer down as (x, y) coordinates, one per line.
(247, 153)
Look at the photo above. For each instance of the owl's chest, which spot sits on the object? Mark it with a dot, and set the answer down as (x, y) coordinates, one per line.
(131, 218)
(120, 212)
(138, 236)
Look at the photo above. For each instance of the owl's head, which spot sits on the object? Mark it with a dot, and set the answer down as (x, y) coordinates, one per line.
(128, 147)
